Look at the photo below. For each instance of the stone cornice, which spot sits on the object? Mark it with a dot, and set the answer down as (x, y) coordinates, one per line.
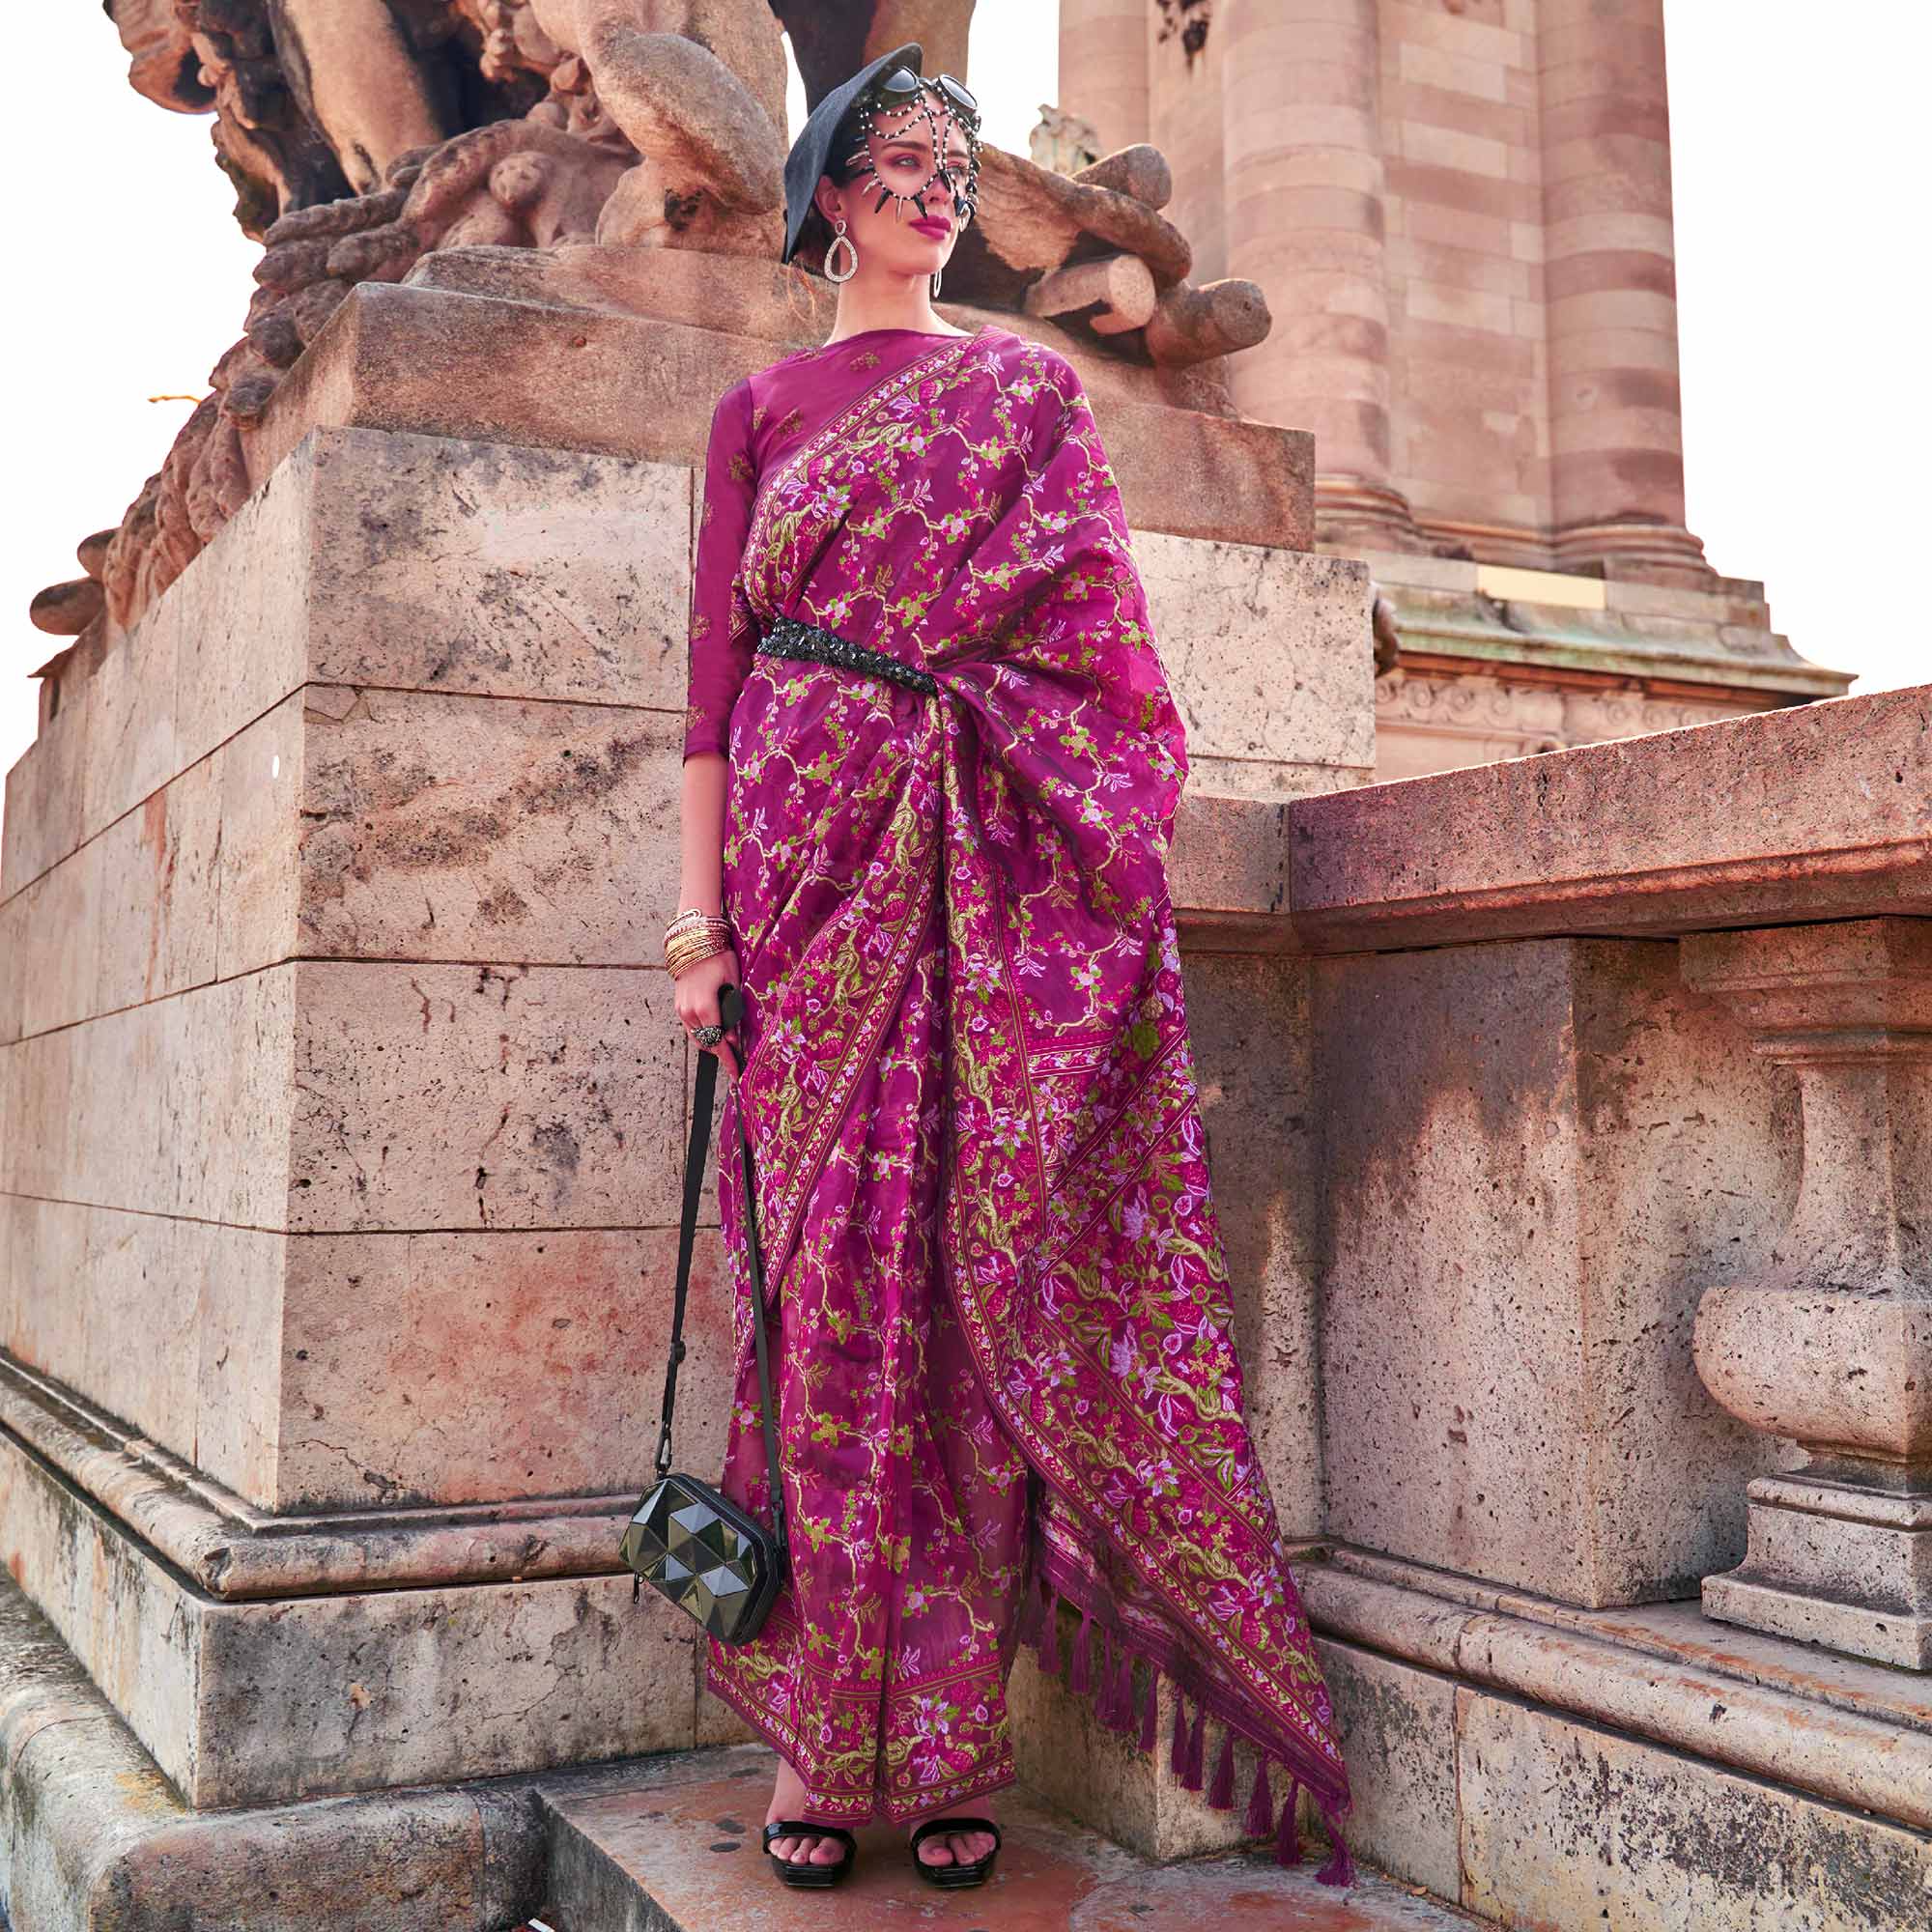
(228, 1549)
(1818, 812)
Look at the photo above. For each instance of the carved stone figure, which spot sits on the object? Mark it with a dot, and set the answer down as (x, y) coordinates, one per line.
(361, 135)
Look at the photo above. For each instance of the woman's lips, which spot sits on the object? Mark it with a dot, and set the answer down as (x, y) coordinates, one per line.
(938, 230)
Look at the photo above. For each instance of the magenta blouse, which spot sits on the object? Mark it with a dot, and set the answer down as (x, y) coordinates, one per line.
(759, 420)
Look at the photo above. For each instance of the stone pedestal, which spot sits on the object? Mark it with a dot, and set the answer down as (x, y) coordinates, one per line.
(1831, 1344)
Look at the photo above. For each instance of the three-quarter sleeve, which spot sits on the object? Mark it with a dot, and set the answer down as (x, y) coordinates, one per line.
(723, 631)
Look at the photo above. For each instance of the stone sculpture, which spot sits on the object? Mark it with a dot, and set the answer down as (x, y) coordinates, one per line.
(364, 134)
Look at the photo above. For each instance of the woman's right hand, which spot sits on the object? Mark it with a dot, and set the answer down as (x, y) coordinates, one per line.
(695, 991)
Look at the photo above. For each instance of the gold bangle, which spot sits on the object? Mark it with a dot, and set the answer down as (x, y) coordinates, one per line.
(696, 935)
(706, 928)
(678, 958)
(696, 942)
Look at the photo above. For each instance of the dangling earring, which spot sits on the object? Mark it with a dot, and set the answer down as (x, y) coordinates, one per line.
(832, 275)
(935, 284)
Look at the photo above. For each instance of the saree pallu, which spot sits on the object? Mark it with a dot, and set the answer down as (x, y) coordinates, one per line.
(998, 1304)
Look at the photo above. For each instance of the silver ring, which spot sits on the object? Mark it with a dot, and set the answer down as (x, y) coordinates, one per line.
(707, 1035)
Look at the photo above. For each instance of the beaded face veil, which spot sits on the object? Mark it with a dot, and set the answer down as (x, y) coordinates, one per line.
(945, 105)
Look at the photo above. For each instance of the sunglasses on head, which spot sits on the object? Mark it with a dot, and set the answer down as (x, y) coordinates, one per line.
(903, 84)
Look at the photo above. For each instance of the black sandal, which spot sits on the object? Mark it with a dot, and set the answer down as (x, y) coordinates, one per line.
(804, 1872)
(956, 1874)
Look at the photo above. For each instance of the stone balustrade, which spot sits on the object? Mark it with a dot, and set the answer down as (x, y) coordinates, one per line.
(1830, 1342)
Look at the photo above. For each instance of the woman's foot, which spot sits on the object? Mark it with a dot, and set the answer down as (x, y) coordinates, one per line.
(786, 1800)
(962, 1848)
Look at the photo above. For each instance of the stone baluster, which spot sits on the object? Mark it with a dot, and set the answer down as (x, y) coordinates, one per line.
(1302, 130)
(1830, 1345)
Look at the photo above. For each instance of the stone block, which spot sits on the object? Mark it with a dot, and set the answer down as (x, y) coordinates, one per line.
(460, 827)
(342, 1095)
(674, 1847)
(152, 892)
(1535, 1157)
(1565, 1824)
(1228, 869)
(483, 1096)
(1268, 652)
(1248, 1025)
(46, 794)
(237, 1277)
(446, 564)
(240, 612)
(175, 1334)
(130, 723)
(426, 361)
(1104, 1779)
(262, 793)
(1398, 1729)
(1837, 1564)
(469, 1367)
(263, 1702)
(47, 1244)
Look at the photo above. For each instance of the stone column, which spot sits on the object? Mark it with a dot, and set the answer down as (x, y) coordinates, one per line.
(1302, 133)
(1104, 67)
(1615, 414)
(1832, 1345)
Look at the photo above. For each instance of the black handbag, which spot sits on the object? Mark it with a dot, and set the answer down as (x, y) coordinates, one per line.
(686, 1539)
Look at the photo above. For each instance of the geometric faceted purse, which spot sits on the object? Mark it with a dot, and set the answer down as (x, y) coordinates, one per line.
(686, 1539)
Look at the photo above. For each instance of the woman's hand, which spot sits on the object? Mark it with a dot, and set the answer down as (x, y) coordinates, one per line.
(695, 991)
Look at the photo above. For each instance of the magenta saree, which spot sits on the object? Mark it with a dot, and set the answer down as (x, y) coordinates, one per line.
(1001, 1323)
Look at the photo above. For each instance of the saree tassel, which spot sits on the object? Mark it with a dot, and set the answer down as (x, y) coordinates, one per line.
(1339, 1868)
(1149, 1717)
(1124, 1692)
(1221, 1788)
(1287, 1838)
(1049, 1640)
(1082, 1677)
(1103, 1704)
(1191, 1776)
(1177, 1757)
(1260, 1821)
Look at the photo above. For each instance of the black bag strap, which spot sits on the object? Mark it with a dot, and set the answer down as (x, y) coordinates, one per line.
(732, 1011)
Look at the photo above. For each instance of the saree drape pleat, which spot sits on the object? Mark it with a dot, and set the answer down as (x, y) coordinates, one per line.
(998, 1301)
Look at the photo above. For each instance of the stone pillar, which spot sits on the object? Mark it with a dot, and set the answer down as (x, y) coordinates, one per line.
(1832, 1344)
(1104, 67)
(1301, 125)
(1616, 412)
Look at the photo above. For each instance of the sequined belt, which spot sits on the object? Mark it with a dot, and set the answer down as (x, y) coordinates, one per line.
(789, 638)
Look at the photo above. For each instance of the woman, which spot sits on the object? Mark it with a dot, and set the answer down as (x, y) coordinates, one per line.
(931, 769)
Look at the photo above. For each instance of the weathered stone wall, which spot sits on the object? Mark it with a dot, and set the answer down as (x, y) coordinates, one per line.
(1535, 1155)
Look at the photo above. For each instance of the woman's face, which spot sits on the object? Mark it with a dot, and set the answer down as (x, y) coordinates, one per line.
(905, 237)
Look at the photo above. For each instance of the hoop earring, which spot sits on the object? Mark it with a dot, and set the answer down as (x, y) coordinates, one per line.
(832, 275)
(935, 284)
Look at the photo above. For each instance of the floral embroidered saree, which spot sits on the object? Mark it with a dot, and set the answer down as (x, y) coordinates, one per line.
(997, 1303)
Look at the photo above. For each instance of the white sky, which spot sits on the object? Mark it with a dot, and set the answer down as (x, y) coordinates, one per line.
(1798, 189)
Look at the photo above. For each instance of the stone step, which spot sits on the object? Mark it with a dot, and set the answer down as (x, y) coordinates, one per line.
(674, 1847)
